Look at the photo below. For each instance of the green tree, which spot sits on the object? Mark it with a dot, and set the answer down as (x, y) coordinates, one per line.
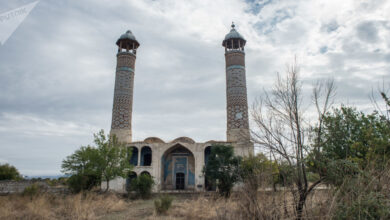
(258, 170)
(356, 137)
(8, 172)
(83, 161)
(108, 160)
(114, 157)
(222, 168)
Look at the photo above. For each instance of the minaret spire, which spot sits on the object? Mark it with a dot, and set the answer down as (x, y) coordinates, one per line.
(124, 86)
(236, 92)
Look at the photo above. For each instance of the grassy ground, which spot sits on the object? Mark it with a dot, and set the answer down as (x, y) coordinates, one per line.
(112, 206)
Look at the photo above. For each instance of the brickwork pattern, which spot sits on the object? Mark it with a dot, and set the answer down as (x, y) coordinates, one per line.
(123, 93)
(236, 94)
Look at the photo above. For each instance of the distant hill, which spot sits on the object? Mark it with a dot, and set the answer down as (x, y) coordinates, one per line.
(45, 177)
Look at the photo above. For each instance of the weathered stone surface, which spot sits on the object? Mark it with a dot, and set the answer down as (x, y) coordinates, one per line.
(236, 97)
(11, 187)
(123, 97)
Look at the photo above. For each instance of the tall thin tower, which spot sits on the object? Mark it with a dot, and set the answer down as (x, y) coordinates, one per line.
(236, 95)
(124, 86)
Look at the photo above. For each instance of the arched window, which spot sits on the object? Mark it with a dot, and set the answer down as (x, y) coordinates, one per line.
(207, 152)
(130, 177)
(145, 173)
(146, 156)
(134, 156)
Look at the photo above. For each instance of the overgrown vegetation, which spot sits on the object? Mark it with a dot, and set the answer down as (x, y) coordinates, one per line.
(162, 204)
(47, 206)
(8, 172)
(32, 190)
(88, 166)
(222, 168)
(142, 186)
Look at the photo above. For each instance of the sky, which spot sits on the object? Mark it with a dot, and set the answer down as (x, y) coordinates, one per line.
(57, 69)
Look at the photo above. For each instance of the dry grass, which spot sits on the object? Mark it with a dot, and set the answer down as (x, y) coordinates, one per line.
(270, 205)
(45, 206)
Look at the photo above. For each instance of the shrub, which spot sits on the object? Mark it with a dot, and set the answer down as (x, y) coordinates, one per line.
(142, 185)
(162, 204)
(31, 190)
(8, 172)
(77, 183)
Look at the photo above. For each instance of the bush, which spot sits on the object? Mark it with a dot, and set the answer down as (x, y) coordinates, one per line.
(368, 206)
(8, 172)
(162, 204)
(142, 185)
(77, 182)
(31, 190)
(222, 168)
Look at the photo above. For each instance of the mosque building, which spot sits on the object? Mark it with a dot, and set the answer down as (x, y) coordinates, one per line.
(178, 164)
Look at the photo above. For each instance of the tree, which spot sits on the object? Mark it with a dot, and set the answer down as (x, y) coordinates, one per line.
(258, 170)
(282, 128)
(83, 161)
(8, 172)
(114, 157)
(222, 168)
(349, 137)
(108, 160)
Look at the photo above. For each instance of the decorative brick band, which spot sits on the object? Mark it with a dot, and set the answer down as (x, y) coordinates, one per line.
(125, 68)
(235, 67)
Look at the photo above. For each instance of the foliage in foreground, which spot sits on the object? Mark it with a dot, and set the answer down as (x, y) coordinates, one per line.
(258, 169)
(354, 136)
(78, 182)
(32, 190)
(222, 168)
(142, 186)
(91, 165)
(163, 204)
(8, 172)
(87, 206)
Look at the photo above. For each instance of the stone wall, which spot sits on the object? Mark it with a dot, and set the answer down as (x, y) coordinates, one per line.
(10, 187)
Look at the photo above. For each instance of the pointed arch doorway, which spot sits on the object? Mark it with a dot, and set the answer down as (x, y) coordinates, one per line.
(178, 169)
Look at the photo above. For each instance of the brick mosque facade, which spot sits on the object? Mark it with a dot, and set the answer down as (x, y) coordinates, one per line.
(178, 164)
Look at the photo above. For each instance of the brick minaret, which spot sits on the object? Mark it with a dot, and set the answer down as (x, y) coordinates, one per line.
(124, 86)
(236, 95)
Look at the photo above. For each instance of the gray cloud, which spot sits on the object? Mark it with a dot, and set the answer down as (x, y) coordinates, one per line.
(367, 31)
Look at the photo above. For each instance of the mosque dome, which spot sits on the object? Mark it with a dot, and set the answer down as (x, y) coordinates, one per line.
(127, 38)
(233, 35)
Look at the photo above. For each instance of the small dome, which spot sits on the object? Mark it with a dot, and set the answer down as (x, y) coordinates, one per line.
(127, 38)
(127, 35)
(151, 140)
(184, 140)
(233, 34)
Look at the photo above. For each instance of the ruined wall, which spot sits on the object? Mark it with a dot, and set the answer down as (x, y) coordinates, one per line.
(10, 187)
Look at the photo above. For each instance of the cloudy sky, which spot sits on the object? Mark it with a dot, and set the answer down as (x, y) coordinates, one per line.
(57, 68)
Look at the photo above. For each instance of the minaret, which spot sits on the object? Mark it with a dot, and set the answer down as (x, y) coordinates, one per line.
(237, 103)
(124, 86)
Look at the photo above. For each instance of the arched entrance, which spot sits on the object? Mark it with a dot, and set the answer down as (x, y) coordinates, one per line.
(130, 177)
(178, 169)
